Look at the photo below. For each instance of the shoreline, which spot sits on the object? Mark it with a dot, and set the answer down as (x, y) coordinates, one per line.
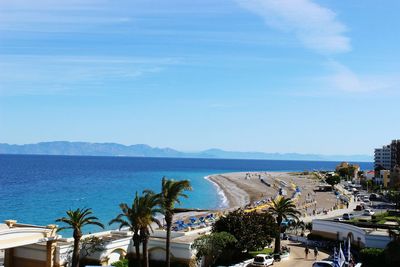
(242, 189)
(224, 201)
(235, 196)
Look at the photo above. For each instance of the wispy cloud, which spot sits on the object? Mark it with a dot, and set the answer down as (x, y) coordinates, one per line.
(51, 74)
(60, 15)
(317, 27)
(79, 15)
(341, 81)
(344, 79)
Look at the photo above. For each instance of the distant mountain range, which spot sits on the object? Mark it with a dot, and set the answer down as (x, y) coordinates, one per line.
(140, 150)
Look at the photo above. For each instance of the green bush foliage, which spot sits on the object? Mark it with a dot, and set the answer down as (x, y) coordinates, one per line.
(121, 263)
(372, 257)
(333, 180)
(212, 246)
(253, 230)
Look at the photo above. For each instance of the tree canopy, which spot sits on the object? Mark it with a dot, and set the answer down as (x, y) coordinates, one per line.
(253, 230)
(212, 246)
(333, 180)
(348, 171)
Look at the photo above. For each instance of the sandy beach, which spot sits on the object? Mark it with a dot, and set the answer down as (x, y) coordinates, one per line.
(247, 188)
(251, 189)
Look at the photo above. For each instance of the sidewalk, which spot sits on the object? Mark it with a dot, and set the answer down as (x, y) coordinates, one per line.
(297, 256)
(333, 213)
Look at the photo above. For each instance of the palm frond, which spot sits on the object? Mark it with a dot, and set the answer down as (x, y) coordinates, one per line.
(78, 218)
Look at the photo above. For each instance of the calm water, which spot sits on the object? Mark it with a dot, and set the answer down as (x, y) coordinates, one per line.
(39, 189)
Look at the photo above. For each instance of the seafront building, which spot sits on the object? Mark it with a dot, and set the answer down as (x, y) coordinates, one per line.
(40, 246)
(395, 152)
(383, 157)
(28, 245)
(388, 156)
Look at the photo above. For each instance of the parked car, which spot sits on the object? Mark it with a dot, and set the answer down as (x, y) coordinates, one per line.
(323, 264)
(263, 260)
(347, 216)
(369, 212)
(338, 219)
(365, 199)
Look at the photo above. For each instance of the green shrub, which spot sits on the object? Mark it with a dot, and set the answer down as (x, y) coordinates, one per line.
(372, 257)
(253, 230)
(264, 251)
(121, 263)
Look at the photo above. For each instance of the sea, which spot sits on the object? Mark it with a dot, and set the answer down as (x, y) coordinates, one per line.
(38, 189)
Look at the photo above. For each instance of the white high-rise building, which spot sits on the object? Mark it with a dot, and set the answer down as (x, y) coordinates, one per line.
(383, 157)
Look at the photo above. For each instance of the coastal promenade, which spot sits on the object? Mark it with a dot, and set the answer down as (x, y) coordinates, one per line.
(297, 256)
(332, 213)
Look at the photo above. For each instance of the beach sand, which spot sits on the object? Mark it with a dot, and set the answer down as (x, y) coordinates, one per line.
(246, 188)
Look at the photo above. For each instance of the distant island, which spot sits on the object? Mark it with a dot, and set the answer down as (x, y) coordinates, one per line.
(141, 150)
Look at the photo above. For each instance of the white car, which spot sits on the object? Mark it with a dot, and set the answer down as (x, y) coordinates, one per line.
(366, 199)
(369, 212)
(263, 260)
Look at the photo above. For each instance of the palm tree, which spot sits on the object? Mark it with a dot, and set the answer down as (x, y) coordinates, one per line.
(130, 217)
(171, 190)
(75, 220)
(147, 210)
(282, 209)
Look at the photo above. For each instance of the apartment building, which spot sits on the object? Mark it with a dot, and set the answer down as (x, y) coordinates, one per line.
(388, 156)
(395, 153)
(383, 157)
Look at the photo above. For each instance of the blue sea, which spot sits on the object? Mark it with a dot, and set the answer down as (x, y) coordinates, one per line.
(38, 189)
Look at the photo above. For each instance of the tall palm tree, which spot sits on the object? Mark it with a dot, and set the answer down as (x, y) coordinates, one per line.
(148, 206)
(75, 220)
(171, 190)
(282, 209)
(130, 217)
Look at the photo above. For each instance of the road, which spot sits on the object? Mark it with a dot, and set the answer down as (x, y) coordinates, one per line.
(297, 256)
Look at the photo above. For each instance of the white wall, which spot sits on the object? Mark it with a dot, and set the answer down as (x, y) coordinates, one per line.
(341, 228)
(34, 252)
(366, 239)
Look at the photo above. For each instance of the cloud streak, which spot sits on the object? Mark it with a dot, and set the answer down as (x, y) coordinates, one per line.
(344, 79)
(318, 29)
(315, 26)
(36, 74)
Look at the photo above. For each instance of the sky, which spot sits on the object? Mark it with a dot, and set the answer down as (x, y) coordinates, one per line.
(305, 76)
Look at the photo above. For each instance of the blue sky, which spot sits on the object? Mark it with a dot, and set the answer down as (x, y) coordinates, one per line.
(302, 76)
